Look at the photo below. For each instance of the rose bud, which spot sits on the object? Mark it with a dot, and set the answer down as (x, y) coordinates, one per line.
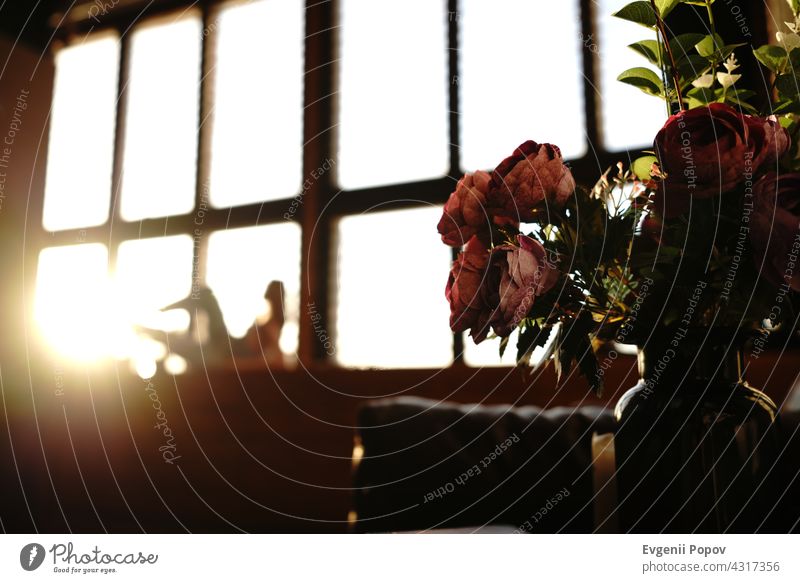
(465, 213)
(468, 291)
(525, 272)
(533, 174)
(775, 228)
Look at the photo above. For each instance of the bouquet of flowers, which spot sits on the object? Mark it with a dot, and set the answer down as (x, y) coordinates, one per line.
(701, 233)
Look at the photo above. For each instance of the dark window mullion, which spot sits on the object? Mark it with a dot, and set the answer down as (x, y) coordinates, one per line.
(453, 72)
(200, 233)
(455, 127)
(114, 235)
(317, 148)
(591, 86)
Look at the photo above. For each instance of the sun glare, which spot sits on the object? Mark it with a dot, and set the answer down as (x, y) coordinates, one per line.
(72, 302)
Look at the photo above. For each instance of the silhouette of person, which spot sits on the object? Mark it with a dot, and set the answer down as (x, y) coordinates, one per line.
(264, 338)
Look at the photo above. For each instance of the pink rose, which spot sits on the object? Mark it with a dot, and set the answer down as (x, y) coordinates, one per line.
(525, 272)
(466, 213)
(471, 306)
(534, 173)
(708, 150)
(775, 228)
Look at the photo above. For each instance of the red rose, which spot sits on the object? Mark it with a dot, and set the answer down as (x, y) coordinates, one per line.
(466, 213)
(775, 228)
(525, 272)
(709, 150)
(471, 306)
(532, 174)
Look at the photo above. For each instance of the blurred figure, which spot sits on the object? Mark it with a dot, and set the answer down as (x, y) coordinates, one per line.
(264, 337)
(206, 341)
(206, 329)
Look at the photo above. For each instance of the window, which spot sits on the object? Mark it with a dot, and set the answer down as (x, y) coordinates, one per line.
(240, 285)
(160, 151)
(393, 92)
(86, 77)
(291, 159)
(390, 310)
(257, 131)
(619, 101)
(516, 77)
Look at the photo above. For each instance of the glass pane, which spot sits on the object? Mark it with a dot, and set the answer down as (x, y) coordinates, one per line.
(521, 78)
(161, 120)
(151, 274)
(258, 103)
(81, 147)
(487, 352)
(71, 305)
(393, 121)
(630, 117)
(391, 309)
(246, 284)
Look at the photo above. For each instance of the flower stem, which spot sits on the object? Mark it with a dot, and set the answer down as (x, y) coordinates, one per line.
(713, 28)
(710, 17)
(673, 69)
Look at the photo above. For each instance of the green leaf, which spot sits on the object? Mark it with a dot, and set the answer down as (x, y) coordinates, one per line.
(529, 338)
(682, 44)
(666, 6)
(788, 86)
(700, 96)
(712, 48)
(709, 46)
(741, 93)
(690, 68)
(587, 364)
(643, 79)
(794, 5)
(733, 100)
(503, 346)
(574, 344)
(639, 12)
(772, 57)
(794, 58)
(641, 167)
(786, 106)
(649, 49)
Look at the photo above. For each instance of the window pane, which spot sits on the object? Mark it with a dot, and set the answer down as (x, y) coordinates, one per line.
(161, 120)
(151, 274)
(81, 148)
(391, 309)
(240, 279)
(71, 306)
(257, 136)
(630, 117)
(393, 92)
(521, 78)
(487, 352)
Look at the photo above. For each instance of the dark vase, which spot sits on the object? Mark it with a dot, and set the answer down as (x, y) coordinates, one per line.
(695, 445)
